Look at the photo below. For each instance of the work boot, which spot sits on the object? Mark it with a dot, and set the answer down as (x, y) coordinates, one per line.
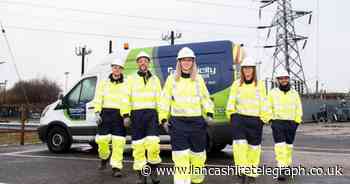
(154, 174)
(281, 177)
(141, 179)
(103, 165)
(116, 172)
(251, 180)
(242, 178)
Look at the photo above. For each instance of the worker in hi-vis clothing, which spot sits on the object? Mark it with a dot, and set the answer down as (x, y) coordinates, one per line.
(247, 109)
(286, 116)
(144, 91)
(112, 112)
(185, 111)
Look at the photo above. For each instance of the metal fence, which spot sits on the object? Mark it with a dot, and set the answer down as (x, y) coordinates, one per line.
(18, 123)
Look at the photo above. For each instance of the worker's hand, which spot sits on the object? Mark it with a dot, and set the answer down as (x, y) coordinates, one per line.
(98, 118)
(126, 122)
(165, 125)
(209, 119)
(296, 124)
(265, 120)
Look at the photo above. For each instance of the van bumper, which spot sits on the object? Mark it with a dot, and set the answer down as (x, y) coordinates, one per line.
(42, 131)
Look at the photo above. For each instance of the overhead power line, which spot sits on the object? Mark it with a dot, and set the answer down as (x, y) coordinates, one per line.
(245, 7)
(86, 34)
(81, 33)
(218, 4)
(127, 15)
(135, 27)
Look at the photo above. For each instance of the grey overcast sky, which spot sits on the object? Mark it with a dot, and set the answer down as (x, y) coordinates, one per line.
(43, 34)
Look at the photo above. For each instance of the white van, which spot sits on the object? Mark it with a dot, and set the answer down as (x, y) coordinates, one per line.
(71, 118)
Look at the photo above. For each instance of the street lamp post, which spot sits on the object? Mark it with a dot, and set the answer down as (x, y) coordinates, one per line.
(82, 51)
(171, 36)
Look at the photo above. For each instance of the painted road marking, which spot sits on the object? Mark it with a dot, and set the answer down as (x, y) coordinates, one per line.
(96, 159)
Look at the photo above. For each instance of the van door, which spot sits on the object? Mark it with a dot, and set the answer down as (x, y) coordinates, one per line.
(86, 97)
(78, 102)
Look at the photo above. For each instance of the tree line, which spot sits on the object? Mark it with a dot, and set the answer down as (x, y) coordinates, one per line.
(38, 91)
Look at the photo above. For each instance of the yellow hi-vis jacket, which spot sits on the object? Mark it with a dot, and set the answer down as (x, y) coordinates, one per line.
(249, 100)
(185, 98)
(286, 106)
(141, 95)
(113, 96)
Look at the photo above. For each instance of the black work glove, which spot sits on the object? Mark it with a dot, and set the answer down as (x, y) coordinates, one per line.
(165, 125)
(210, 119)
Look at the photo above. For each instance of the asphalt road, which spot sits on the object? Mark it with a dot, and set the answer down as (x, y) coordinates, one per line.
(316, 145)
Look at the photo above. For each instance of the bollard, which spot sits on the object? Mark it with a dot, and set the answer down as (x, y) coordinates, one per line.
(23, 119)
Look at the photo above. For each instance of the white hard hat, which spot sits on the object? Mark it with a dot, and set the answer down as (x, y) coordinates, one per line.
(143, 54)
(248, 61)
(115, 59)
(118, 61)
(185, 52)
(282, 73)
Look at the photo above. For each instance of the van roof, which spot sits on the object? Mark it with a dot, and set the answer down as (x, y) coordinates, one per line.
(103, 67)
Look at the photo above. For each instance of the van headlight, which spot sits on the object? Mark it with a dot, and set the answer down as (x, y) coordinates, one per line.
(45, 110)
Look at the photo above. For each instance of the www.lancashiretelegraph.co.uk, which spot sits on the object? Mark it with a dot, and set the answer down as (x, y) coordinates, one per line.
(238, 170)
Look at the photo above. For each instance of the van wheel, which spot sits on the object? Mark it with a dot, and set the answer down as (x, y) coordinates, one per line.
(218, 147)
(58, 140)
(94, 146)
(213, 147)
